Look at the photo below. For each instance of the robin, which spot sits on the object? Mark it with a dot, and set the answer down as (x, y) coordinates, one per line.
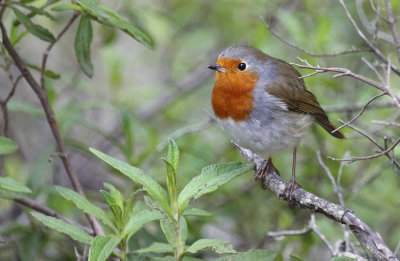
(263, 104)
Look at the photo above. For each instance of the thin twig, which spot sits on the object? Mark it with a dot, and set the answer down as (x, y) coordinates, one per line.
(304, 199)
(392, 26)
(290, 44)
(375, 49)
(343, 72)
(49, 212)
(360, 113)
(51, 119)
(372, 68)
(357, 107)
(395, 124)
(50, 46)
(352, 159)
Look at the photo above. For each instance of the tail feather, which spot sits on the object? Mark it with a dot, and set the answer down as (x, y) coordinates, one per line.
(329, 127)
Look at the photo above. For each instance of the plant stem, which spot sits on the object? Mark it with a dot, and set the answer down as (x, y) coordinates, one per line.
(179, 246)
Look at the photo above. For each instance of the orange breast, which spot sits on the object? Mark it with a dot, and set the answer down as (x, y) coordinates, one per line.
(232, 95)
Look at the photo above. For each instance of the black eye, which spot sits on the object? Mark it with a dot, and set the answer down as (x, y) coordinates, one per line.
(241, 66)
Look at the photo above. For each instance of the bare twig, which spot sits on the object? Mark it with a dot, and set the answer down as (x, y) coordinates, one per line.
(392, 26)
(360, 113)
(290, 44)
(372, 68)
(301, 198)
(50, 46)
(343, 72)
(43, 98)
(384, 152)
(395, 124)
(390, 157)
(375, 49)
(357, 107)
(49, 212)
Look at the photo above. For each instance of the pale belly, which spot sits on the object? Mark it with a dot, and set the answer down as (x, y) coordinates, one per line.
(281, 132)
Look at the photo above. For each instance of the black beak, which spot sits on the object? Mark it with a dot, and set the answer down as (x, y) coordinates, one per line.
(216, 67)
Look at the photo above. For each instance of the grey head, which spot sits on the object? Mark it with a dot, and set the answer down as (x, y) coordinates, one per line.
(254, 59)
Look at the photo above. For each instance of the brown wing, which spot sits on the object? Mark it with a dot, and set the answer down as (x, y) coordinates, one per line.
(291, 89)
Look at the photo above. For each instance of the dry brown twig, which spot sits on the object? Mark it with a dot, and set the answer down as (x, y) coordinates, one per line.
(50, 116)
(304, 199)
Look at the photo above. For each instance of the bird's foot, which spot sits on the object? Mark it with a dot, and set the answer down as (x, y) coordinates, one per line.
(287, 193)
(262, 173)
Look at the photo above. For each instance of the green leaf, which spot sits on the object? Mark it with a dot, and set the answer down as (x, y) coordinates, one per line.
(139, 219)
(47, 73)
(171, 183)
(156, 247)
(150, 185)
(83, 204)
(343, 258)
(295, 258)
(210, 179)
(168, 230)
(115, 209)
(72, 231)
(116, 194)
(35, 10)
(11, 189)
(63, 7)
(83, 40)
(7, 146)
(251, 255)
(217, 245)
(111, 18)
(173, 154)
(102, 247)
(126, 121)
(196, 212)
(26, 108)
(35, 29)
(7, 183)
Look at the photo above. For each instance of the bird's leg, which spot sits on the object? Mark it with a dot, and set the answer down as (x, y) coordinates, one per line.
(262, 173)
(292, 184)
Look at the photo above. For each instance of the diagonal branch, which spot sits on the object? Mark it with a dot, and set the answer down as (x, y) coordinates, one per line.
(50, 116)
(392, 25)
(304, 199)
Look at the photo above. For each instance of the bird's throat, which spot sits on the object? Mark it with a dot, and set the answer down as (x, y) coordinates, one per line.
(233, 94)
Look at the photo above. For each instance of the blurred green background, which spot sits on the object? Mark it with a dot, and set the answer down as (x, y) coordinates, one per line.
(139, 97)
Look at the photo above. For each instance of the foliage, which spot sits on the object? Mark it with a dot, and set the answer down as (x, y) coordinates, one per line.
(126, 76)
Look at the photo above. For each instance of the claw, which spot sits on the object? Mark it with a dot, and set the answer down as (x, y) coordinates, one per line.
(262, 173)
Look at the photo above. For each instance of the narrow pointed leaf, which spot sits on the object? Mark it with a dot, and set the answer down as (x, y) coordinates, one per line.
(196, 212)
(83, 40)
(150, 185)
(116, 195)
(139, 219)
(171, 182)
(217, 245)
(35, 29)
(115, 209)
(9, 184)
(102, 247)
(210, 179)
(251, 255)
(173, 154)
(63, 7)
(84, 205)
(156, 247)
(61, 226)
(7, 146)
(168, 230)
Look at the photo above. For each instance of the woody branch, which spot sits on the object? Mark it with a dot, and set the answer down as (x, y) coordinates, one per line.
(304, 199)
(41, 94)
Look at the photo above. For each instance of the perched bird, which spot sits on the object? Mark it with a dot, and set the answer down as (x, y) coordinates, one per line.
(263, 105)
